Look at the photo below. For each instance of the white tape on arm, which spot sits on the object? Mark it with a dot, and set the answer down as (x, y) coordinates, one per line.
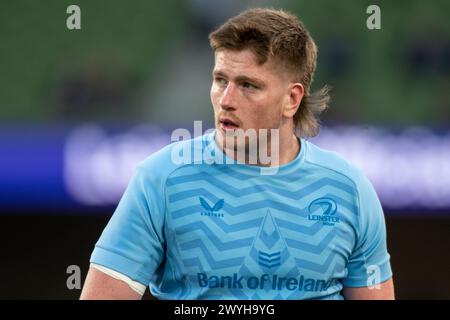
(136, 286)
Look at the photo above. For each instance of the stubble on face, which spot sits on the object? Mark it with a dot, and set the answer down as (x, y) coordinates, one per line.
(254, 100)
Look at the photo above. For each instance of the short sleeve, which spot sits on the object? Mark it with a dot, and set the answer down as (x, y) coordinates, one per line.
(132, 242)
(369, 263)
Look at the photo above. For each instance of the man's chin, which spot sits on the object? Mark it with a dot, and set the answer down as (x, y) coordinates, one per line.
(236, 143)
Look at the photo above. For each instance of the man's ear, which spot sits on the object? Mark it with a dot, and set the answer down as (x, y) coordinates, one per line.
(296, 93)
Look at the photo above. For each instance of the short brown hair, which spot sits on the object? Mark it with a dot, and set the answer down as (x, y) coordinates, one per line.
(283, 37)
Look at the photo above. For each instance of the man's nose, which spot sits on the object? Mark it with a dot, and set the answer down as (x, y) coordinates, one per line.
(228, 99)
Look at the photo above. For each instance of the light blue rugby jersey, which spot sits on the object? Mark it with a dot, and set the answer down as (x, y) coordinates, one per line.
(212, 230)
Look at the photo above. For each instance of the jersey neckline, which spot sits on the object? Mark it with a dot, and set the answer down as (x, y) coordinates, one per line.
(219, 157)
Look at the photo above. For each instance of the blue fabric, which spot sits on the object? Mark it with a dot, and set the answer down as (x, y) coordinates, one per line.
(208, 229)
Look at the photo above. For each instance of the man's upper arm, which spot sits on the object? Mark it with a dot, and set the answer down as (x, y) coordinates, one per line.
(132, 242)
(383, 291)
(369, 262)
(100, 286)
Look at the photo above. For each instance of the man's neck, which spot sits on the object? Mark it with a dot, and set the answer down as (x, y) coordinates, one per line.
(288, 148)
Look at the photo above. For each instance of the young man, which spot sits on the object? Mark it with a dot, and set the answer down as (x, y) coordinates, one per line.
(212, 229)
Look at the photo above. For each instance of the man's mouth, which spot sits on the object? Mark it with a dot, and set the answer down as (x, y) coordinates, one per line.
(228, 124)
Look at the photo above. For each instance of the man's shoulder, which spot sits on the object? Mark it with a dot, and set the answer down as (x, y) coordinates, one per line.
(173, 156)
(353, 176)
(333, 162)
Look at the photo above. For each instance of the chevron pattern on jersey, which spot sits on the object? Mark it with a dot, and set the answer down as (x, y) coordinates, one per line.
(262, 227)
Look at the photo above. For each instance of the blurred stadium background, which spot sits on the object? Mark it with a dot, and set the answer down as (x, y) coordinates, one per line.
(78, 109)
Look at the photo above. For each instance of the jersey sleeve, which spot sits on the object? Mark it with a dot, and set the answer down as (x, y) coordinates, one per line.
(369, 263)
(132, 242)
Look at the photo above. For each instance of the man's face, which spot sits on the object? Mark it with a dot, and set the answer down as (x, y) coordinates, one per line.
(246, 95)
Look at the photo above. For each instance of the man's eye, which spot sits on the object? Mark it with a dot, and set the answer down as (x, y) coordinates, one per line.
(221, 81)
(248, 85)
